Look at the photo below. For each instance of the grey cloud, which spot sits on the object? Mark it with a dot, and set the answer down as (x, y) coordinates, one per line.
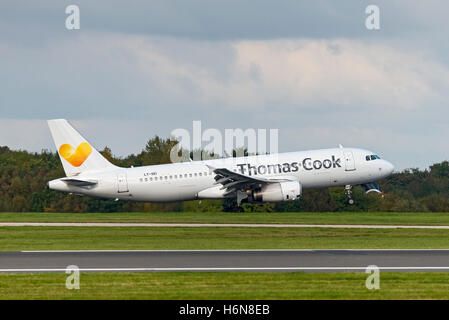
(96, 77)
(233, 19)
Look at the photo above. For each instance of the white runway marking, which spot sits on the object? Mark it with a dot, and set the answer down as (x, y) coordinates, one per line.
(199, 225)
(223, 269)
(229, 250)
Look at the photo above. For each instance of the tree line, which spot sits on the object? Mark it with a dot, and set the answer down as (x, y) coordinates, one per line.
(23, 178)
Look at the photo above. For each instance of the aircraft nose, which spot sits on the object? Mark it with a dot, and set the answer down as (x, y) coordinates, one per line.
(389, 167)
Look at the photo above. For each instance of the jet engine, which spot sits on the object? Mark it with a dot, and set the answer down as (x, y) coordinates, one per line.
(275, 192)
(371, 187)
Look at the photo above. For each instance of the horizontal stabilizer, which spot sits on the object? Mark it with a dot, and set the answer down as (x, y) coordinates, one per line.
(79, 182)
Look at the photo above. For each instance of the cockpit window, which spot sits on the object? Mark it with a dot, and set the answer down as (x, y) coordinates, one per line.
(372, 157)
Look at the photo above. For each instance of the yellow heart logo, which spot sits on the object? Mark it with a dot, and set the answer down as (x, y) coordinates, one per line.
(75, 157)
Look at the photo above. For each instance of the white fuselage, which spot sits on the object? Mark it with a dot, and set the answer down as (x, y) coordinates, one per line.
(195, 180)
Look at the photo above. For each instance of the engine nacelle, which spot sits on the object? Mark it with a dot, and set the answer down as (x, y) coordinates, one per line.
(371, 187)
(275, 192)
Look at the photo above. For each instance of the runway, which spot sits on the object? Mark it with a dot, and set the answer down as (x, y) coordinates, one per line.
(213, 225)
(226, 260)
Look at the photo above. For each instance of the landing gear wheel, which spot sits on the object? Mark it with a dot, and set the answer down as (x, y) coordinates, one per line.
(348, 191)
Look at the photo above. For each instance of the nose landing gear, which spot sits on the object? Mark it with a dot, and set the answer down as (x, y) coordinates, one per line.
(348, 191)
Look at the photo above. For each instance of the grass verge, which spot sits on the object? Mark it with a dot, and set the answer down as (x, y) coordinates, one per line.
(134, 238)
(393, 285)
(390, 218)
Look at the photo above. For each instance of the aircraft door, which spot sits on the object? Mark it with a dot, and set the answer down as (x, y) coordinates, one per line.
(349, 161)
(122, 182)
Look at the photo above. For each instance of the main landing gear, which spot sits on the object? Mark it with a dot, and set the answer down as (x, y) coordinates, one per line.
(348, 191)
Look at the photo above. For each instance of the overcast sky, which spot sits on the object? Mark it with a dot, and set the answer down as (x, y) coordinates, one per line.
(308, 68)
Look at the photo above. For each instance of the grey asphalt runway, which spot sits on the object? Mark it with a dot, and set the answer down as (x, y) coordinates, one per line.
(226, 260)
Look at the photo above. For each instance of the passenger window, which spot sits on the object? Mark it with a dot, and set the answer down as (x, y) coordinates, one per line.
(155, 178)
(190, 175)
(166, 178)
(200, 174)
(176, 177)
(367, 158)
(141, 180)
(146, 179)
(196, 174)
(151, 179)
(373, 157)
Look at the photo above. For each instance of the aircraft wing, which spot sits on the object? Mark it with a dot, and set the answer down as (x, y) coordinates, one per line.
(233, 181)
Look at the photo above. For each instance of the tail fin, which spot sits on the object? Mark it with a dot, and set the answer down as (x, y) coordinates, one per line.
(77, 155)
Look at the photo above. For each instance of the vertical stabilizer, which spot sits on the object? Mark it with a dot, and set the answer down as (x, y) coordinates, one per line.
(77, 155)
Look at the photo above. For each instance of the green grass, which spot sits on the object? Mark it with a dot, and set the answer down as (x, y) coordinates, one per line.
(225, 286)
(211, 285)
(128, 238)
(391, 218)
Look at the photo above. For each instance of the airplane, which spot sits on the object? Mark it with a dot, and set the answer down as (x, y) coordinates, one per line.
(254, 179)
